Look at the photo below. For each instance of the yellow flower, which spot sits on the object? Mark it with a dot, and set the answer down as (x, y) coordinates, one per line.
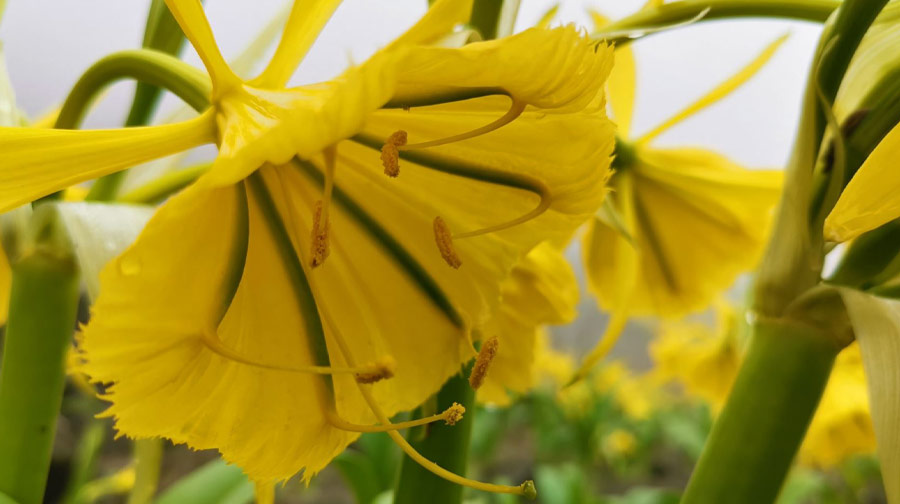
(216, 327)
(680, 224)
(541, 289)
(704, 359)
(870, 199)
(619, 444)
(842, 426)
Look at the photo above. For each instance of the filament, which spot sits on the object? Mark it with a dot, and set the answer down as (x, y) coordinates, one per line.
(217, 347)
(525, 489)
(515, 110)
(450, 416)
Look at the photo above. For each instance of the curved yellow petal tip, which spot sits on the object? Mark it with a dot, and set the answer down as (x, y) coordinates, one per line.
(528, 490)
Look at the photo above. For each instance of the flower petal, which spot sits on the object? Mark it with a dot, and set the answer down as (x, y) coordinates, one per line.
(558, 68)
(303, 27)
(540, 290)
(259, 126)
(678, 196)
(621, 89)
(721, 91)
(870, 199)
(437, 23)
(37, 162)
(193, 22)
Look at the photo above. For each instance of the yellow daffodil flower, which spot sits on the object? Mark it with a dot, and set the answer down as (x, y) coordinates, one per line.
(541, 290)
(680, 224)
(221, 325)
(703, 359)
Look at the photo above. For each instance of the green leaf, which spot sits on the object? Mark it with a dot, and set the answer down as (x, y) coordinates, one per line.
(214, 483)
(876, 323)
(564, 484)
(360, 474)
(100, 232)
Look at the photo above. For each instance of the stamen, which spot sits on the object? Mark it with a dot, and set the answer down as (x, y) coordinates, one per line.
(515, 110)
(216, 346)
(526, 489)
(444, 240)
(384, 370)
(483, 362)
(390, 153)
(541, 208)
(450, 416)
(454, 413)
(319, 248)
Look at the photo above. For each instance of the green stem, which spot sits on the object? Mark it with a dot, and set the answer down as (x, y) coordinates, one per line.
(165, 185)
(749, 452)
(793, 260)
(148, 459)
(486, 17)
(42, 311)
(446, 445)
(678, 13)
(153, 67)
(163, 34)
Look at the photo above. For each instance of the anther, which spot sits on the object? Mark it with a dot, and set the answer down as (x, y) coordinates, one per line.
(528, 490)
(454, 413)
(444, 239)
(319, 236)
(383, 370)
(483, 362)
(390, 153)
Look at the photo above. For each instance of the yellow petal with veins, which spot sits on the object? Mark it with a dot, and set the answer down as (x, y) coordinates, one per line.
(870, 199)
(259, 126)
(540, 290)
(699, 221)
(551, 69)
(303, 27)
(37, 162)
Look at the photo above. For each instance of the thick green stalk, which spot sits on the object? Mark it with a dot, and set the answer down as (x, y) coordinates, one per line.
(163, 34)
(42, 311)
(649, 21)
(446, 445)
(793, 260)
(749, 452)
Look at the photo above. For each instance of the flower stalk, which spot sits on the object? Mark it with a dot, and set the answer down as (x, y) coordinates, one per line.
(42, 314)
(777, 390)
